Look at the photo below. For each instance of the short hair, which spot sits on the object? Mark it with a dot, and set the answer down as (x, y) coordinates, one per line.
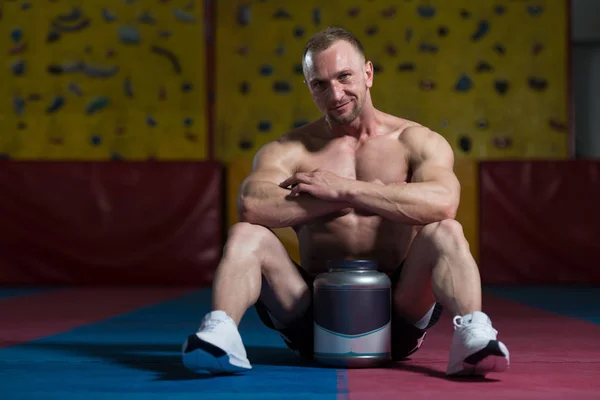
(325, 38)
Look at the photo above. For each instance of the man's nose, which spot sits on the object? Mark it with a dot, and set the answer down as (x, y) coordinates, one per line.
(336, 91)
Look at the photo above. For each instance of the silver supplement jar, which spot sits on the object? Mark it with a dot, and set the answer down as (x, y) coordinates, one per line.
(352, 315)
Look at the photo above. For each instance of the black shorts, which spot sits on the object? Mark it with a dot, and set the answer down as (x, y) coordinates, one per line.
(406, 338)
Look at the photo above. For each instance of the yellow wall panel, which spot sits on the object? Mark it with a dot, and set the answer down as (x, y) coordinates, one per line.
(468, 212)
(503, 115)
(165, 116)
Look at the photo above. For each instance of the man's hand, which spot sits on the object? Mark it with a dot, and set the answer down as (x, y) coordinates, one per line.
(324, 185)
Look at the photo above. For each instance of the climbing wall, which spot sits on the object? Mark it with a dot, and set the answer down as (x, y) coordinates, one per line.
(102, 79)
(489, 76)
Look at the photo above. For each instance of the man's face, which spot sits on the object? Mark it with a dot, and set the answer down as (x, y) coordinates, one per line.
(338, 79)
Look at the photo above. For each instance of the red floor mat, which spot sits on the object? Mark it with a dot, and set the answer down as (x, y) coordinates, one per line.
(552, 357)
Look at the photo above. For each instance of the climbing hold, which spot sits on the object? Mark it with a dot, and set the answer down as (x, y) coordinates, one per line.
(298, 69)
(428, 48)
(16, 35)
(243, 50)
(484, 66)
(427, 84)
(128, 87)
(388, 12)
(465, 14)
(482, 29)
(245, 87)
(298, 32)
(482, 123)
(408, 35)
(34, 97)
(108, 15)
(164, 34)
(19, 105)
(96, 104)
(500, 10)
(465, 143)
(150, 121)
(169, 55)
(52, 37)
(188, 122)
(443, 31)
(110, 53)
(557, 125)
(372, 30)
(191, 137)
(406, 66)
(18, 67)
(244, 15)
(502, 142)
(17, 49)
(184, 16)
(299, 123)
(25, 6)
(280, 13)
(464, 83)
(391, 50)
(265, 70)
(75, 89)
(87, 49)
(426, 11)
(264, 126)
(537, 84)
(535, 11)
(500, 49)
(162, 93)
(146, 18)
(71, 16)
(21, 125)
(56, 104)
(245, 144)
(4, 156)
(501, 86)
(537, 48)
(129, 35)
(280, 50)
(187, 87)
(115, 156)
(57, 141)
(377, 68)
(281, 87)
(316, 16)
(353, 12)
(120, 130)
(96, 140)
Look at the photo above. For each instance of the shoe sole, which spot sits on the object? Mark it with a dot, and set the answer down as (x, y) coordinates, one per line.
(201, 356)
(492, 358)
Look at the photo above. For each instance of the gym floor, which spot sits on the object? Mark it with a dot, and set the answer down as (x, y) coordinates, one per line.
(111, 343)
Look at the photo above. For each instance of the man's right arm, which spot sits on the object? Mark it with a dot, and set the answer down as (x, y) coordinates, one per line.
(262, 201)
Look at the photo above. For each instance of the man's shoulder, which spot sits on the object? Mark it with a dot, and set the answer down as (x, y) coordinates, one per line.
(297, 139)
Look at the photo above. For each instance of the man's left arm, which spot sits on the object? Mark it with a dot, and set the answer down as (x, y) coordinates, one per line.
(432, 195)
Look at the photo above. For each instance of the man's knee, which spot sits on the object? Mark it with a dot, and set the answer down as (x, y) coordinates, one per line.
(248, 238)
(445, 235)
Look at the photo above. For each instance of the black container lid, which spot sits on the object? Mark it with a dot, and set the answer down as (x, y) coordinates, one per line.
(352, 264)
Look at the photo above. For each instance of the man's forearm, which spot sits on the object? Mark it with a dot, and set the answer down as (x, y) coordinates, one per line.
(409, 203)
(267, 204)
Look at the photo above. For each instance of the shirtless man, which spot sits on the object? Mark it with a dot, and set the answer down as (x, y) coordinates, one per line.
(355, 184)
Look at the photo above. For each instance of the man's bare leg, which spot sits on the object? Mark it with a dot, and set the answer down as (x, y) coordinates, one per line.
(439, 267)
(254, 265)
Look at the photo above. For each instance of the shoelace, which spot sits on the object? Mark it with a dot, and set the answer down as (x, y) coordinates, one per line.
(474, 328)
(210, 325)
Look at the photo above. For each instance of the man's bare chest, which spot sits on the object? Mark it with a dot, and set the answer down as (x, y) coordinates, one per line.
(370, 162)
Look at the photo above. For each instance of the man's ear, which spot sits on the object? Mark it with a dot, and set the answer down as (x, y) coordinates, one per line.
(369, 71)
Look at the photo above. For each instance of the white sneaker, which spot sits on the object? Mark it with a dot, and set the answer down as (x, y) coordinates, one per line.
(475, 349)
(216, 348)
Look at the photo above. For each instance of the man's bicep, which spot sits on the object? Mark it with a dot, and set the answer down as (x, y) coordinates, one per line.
(271, 164)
